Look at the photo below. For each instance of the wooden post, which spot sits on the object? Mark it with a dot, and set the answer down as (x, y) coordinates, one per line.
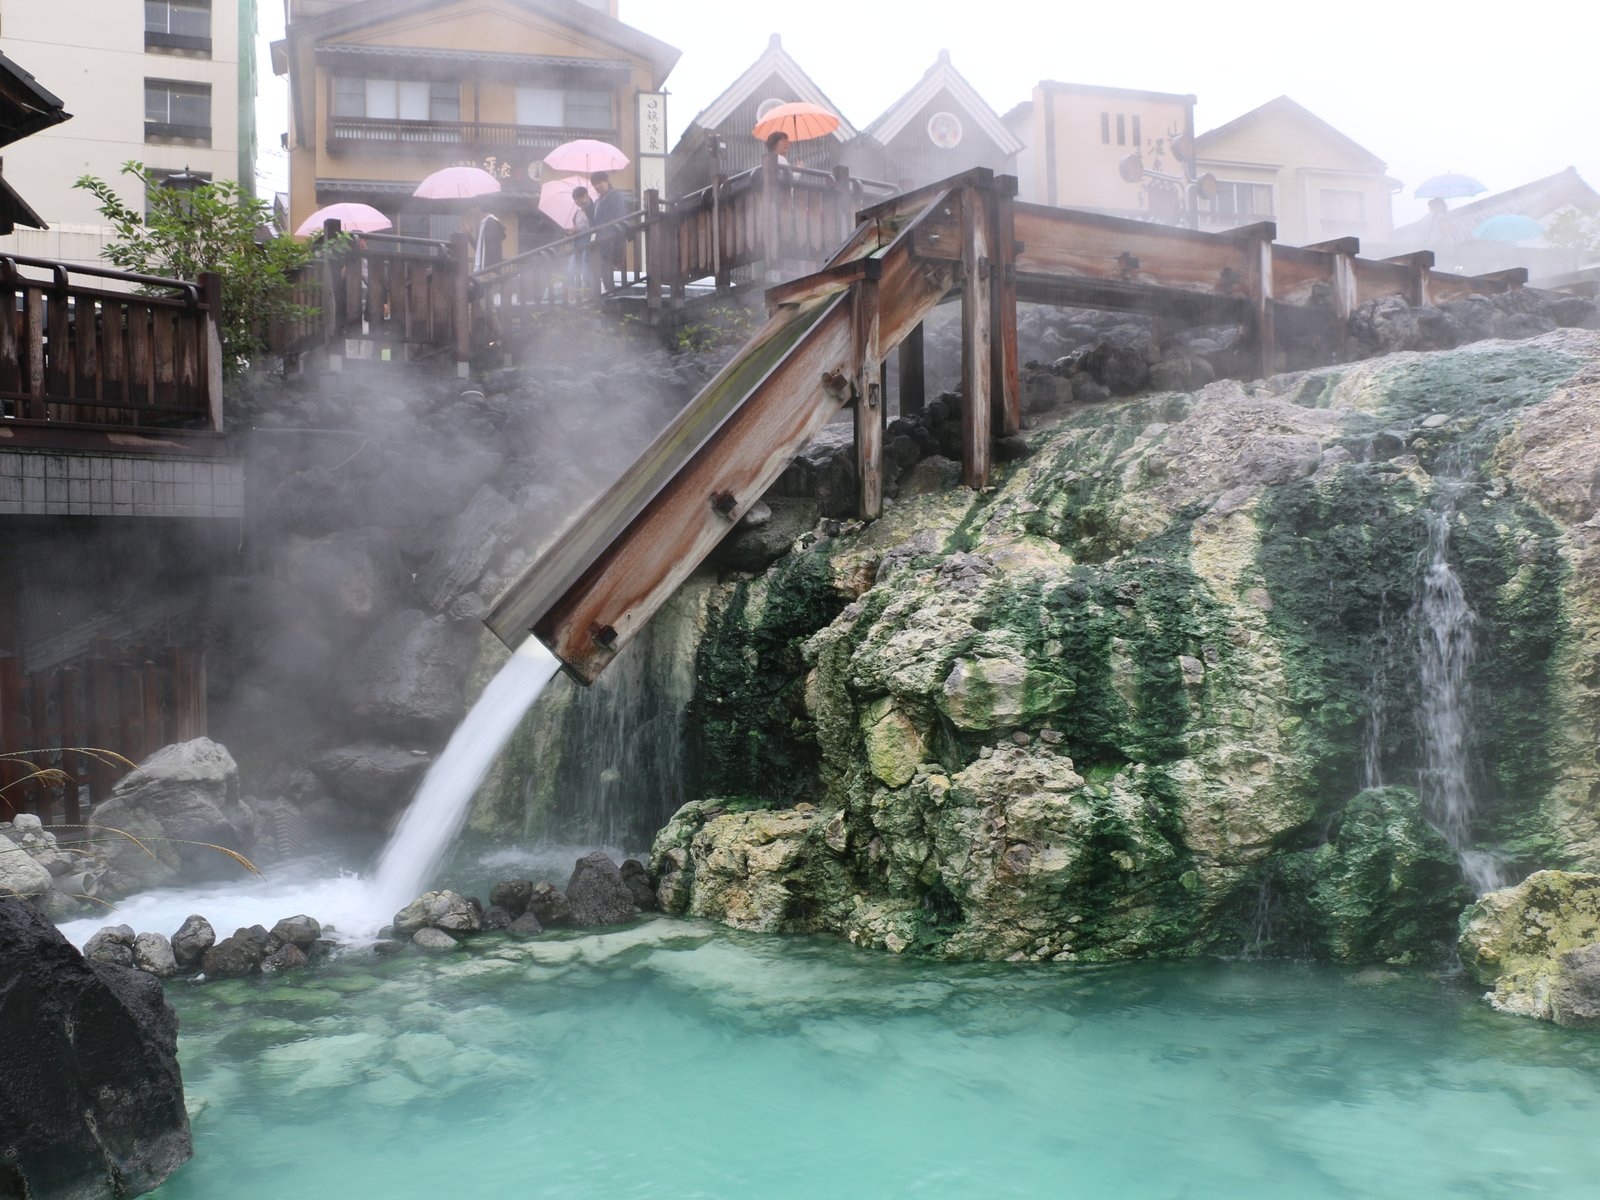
(867, 384)
(461, 308)
(653, 251)
(1261, 302)
(1006, 381)
(771, 199)
(33, 351)
(1420, 263)
(977, 267)
(211, 346)
(843, 204)
(11, 736)
(913, 387)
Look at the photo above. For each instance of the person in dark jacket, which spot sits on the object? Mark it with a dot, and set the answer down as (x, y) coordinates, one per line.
(609, 205)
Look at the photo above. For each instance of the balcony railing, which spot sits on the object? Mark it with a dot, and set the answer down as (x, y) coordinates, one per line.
(175, 41)
(387, 136)
(166, 129)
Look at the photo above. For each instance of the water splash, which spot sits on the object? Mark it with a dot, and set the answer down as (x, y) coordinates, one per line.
(1446, 649)
(438, 810)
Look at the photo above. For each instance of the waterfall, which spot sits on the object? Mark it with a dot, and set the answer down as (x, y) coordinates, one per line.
(436, 813)
(1446, 648)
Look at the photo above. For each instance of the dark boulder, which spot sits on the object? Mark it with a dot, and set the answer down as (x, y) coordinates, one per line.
(512, 895)
(301, 931)
(91, 1101)
(637, 880)
(597, 894)
(287, 957)
(113, 945)
(233, 957)
(549, 906)
(527, 925)
(495, 917)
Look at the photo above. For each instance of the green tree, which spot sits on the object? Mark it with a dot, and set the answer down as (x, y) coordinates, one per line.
(208, 228)
(1572, 230)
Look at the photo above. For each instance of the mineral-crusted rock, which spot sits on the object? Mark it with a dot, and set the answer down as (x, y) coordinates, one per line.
(512, 895)
(301, 931)
(1537, 945)
(113, 945)
(91, 1102)
(19, 873)
(549, 906)
(287, 957)
(233, 957)
(433, 941)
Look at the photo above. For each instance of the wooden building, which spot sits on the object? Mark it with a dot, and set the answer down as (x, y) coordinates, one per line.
(25, 108)
(718, 140)
(384, 92)
(1077, 136)
(941, 127)
(1283, 163)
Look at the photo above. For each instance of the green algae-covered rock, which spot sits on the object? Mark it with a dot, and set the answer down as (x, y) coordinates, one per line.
(1155, 692)
(1537, 945)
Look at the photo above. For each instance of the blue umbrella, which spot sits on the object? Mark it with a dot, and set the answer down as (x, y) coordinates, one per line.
(1450, 186)
(1508, 227)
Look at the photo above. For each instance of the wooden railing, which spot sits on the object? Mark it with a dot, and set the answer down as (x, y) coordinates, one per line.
(378, 295)
(132, 703)
(72, 353)
(388, 135)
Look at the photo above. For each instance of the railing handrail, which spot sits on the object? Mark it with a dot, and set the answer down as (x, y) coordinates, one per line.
(9, 263)
(554, 249)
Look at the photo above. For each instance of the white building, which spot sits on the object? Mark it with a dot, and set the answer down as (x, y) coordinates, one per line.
(170, 83)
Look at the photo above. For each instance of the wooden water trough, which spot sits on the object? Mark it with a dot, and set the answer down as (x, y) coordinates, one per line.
(823, 347)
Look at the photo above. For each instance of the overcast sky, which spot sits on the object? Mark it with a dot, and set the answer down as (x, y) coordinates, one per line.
(1504, 92)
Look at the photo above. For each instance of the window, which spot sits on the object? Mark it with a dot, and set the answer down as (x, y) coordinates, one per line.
(1242, 203)
(1343, 209)
(177, 110)
(440, 227)
(1105, 128)
(566, 108)
(1122, 130)
(1137, 140)
(178, 24)
(396, 99)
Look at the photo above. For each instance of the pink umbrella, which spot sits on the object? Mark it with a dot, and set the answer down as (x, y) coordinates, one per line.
(586, 155)
(355, 218)
(457, 183)
(555, 198)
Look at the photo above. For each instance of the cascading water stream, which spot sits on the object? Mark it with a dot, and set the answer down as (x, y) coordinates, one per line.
(1446, 648)
(439, 808)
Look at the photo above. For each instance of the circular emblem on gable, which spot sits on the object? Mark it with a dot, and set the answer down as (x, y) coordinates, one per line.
(767, 106)
(944, 130)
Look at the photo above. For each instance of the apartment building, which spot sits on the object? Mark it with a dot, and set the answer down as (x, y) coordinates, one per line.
(170, 83)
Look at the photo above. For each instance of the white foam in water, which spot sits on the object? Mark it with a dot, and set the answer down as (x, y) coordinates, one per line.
(436, 813)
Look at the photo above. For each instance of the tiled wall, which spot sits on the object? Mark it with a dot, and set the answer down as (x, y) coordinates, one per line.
(44, 483)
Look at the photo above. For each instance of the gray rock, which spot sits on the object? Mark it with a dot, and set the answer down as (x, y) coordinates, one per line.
(232, 958)
(512, 895)
(637, 880)
(152, 953)
(113, 944)
(301, 931)
(433, 940)
(408, 680)
(287, 957)
(194, 937)
(373, 777)
(597, 894)
(495, 917)
(549, 906)
(438, 910)
(91, 1101)
(19, 874)
(466, 549)
(1527, 325)
(527, 925)
(385, 947)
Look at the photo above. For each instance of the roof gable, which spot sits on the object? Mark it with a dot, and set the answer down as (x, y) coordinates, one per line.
(942, 76)
(1312, 127)
(774, 62)
(25, 107)
(591, 24)
(1539, 198)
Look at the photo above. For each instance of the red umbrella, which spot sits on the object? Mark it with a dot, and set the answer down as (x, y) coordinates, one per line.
(801, 120)
(457, 183)
(355, 218)
(586, 155)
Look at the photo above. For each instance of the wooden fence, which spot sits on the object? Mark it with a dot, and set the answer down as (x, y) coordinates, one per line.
(132, 703)
(378, 295)
(73, 353)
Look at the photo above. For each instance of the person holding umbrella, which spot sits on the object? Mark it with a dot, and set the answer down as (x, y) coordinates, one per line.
(582, 222)
(610, 205)
(488, 235)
